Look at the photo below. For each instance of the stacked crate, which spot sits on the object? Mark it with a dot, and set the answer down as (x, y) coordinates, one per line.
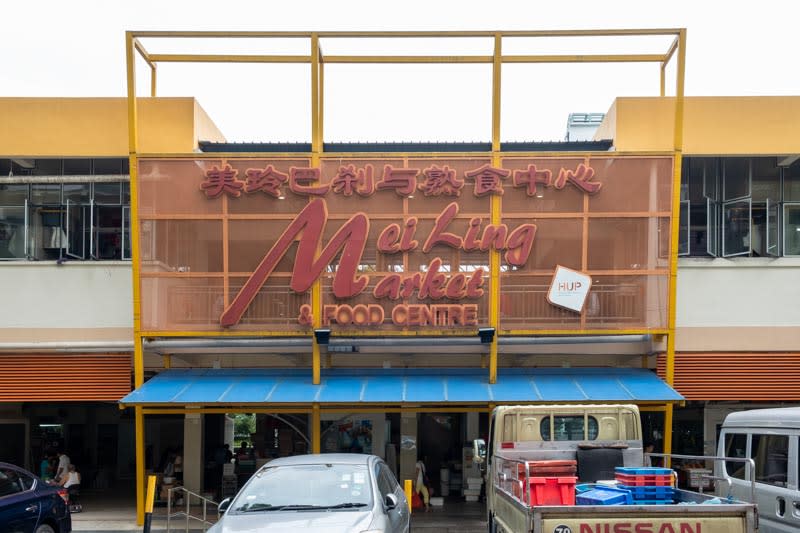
(550, 482)
(648, 485)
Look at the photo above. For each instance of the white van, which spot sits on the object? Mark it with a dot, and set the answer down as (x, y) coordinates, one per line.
(770, 438)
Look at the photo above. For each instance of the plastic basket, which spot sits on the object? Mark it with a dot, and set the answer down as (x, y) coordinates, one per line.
(604, 496)
(552, 490)
(650, 493)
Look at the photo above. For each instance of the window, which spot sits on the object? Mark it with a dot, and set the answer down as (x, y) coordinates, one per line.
(384, 478)
(569, 428)
(771, 455)
(13, 482)
(735, 446)
(79, 217)
(737, 206)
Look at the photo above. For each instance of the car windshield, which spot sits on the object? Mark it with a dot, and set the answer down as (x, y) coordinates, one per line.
(306, 487)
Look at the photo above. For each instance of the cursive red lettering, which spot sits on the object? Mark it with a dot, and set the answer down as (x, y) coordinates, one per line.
(387, 240)
(309, 226)
(439, 235)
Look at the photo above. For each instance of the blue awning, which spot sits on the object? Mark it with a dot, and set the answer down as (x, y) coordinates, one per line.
(398, 386)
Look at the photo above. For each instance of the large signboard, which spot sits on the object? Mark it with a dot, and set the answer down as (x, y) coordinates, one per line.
(404, 243)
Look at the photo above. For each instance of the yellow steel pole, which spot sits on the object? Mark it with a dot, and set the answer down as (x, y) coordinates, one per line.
(674, 228)
(153, 80)
(494, 257)
(407, 488)
(316, 435)
(138, 356)
(316, 148)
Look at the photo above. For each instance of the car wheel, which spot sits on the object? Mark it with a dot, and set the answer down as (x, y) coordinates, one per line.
(44, 528)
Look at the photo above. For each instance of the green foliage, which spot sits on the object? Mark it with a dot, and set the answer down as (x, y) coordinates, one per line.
(243, 426)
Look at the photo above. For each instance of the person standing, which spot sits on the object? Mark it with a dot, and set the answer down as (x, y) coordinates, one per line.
(46, 467)
(63, 466)
(419, 486)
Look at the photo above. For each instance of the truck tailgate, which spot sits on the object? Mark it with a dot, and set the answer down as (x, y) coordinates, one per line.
(728, 518)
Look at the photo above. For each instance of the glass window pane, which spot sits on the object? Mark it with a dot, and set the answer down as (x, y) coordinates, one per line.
(76, 192)
(712, 217)
(791, 183)
(736, 177)
(735, 446)
(791, 229)
(46, 193)
(773, 236)
(12, 233)
(126, 193)
(771, 455)
(683, 229)
(568, 428)
(736, 228)
(711, 178)
(766, 179)
(47, 167)
(13, 193)
(107, 193)
(108, 166)
(10, 482)
(77, 167)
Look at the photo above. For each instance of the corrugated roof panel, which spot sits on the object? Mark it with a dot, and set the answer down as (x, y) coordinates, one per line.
(397, 386)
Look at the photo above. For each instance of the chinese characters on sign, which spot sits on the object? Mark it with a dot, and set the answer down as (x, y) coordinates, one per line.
(403, 181)
(314, 257)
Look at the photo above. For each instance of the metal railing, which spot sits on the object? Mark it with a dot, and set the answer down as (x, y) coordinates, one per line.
(186, 514)
(715, 458)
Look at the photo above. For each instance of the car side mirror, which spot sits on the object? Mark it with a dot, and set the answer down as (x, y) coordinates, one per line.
(223, 505)
(479, 451)
(390, 501)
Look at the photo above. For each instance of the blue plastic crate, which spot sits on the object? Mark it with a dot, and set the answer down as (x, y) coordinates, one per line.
(653, 502)
(604, 496)
(650, 493)
(643, 471)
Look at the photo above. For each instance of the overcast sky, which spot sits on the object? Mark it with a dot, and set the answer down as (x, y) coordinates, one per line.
(76, 48)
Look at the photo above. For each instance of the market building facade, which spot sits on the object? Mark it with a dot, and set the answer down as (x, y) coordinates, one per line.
(383, 298)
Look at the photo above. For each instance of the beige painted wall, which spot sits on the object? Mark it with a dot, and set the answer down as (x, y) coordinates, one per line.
(98, 127)
(713, 125)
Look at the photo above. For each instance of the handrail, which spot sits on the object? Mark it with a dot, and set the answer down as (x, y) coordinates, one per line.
(747, 460)
(187, 496)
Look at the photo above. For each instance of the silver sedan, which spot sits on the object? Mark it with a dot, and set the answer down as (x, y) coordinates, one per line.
(330, 493)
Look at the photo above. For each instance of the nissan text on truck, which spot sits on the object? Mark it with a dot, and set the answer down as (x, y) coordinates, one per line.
(598, 438)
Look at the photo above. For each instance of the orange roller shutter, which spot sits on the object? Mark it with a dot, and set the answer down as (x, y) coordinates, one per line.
(736, 376)
(64, 377)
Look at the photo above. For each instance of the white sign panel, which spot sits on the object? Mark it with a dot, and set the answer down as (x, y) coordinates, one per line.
(569, 289)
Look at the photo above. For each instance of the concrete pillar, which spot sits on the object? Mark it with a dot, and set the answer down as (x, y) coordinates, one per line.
(409, 445)
(193, 463)
(473, 426)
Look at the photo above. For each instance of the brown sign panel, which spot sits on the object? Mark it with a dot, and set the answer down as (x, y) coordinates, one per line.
(399, 243)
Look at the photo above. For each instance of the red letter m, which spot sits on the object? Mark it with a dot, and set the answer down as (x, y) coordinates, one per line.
(309, 226)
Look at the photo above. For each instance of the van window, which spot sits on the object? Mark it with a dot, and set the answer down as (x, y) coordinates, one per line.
(771, 455)
(568, 428)
(735, 446)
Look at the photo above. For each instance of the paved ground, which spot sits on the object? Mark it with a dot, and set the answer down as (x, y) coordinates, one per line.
(110, 512)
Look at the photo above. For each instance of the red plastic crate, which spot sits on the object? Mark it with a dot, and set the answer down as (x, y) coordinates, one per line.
(552, 490)
(641, 480)
(549, 468)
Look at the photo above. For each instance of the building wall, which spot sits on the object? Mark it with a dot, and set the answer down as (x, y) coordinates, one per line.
(98, 127)
(74, 302)
(714, 125)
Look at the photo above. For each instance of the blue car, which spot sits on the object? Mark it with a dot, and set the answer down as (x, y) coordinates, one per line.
(29, 505)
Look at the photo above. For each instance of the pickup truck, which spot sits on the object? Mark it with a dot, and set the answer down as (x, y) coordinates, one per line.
(598, 438)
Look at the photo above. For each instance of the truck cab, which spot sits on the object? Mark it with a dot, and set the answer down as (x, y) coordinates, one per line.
(598, 437)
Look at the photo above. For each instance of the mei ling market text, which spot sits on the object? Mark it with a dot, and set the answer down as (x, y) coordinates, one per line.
(452, 295)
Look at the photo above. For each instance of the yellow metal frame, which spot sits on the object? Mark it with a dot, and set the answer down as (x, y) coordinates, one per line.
(316, 60)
